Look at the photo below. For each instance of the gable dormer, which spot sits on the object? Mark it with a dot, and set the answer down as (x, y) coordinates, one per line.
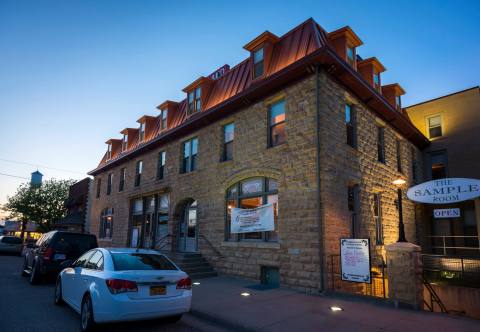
(370, 69)
(393, 94)
(345, 43)
(167, 110)
(113, 148)
(261, 50)
(146, 127)
(197, 94)
(129, 135)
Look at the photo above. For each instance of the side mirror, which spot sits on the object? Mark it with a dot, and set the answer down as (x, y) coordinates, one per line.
(65, 264)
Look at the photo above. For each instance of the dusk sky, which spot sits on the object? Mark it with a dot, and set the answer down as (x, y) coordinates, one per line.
(75, 73)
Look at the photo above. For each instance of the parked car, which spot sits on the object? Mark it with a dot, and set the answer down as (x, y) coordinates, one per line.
(44, 258)
(11, 244)
(123, 284)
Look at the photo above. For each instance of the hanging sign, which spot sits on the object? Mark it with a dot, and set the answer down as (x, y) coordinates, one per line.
(252, 220)
(445, 191)
(355, 260)
(446, 213)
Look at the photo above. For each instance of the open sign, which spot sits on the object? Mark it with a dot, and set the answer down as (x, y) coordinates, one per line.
(446, 213)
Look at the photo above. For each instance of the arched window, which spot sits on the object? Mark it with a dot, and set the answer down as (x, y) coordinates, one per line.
(106, 223)
(249, 194)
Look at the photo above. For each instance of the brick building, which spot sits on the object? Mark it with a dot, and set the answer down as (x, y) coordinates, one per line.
(303, 123)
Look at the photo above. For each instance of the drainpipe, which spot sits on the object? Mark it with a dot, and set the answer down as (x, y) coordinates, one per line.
(321, 247)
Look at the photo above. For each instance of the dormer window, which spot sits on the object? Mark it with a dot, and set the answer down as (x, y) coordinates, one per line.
(258, 66)
(376, 81)
(109, 151)
(351, 55)
(141, 132)
(194, 101)
(163, 120)
(398, 102)
(124, 142)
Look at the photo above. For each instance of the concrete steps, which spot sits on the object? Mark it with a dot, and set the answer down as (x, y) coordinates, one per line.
(194, 264)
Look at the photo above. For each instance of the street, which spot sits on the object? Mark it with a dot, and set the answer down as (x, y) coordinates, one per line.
(30, 308)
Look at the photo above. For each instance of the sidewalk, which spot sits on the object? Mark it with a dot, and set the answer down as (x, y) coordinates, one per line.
(218, 300)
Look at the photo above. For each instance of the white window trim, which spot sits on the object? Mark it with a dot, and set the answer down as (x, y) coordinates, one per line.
(427, 125)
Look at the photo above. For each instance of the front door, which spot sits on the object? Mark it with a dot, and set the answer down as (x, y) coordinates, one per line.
(187, 241)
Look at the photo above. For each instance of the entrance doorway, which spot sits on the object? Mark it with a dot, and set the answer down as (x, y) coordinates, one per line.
(188, 230)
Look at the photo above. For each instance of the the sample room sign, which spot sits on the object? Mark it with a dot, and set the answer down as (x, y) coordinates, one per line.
(355, 260)
(445, 191)
(252, 220)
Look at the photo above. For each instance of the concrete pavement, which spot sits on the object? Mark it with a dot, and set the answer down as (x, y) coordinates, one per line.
(219, 300)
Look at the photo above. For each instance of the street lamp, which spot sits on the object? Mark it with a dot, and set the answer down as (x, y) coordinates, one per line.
(401, 228)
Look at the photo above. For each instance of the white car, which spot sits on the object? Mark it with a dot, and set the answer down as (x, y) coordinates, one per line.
(123, 284)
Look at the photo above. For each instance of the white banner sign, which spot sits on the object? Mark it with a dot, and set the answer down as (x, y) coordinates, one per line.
(252, 220)
(445, 191)
(355, 260)
(446, 213)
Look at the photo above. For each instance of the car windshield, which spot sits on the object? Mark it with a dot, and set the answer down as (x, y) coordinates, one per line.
(139, 261)
(74, 242)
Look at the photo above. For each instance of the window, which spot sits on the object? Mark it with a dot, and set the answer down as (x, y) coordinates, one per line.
(377, 216)
(124, 142)
(353, 207)
(82, 261)
(96, 261)
(228, 135)
(249, 194)
(162, 229)
(109, 183)
(121, 185)
(399, 156)
(106, 223)
(161, 165)
(350, 125)
(258, 63)
(376, 81)
(109, 151)
(190, 150)
(434, 126)
(276, 124)
(194, 101)
(141, 132)
(138, 172)
(163, 120)
(140, 261)
(381, 144)
(99, 187)
(351, 56)
(398, 102)
(438, 164)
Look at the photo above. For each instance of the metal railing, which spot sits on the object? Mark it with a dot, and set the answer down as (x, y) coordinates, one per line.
(215, 250)
(462, 271)
(454, 244)
(162, 242)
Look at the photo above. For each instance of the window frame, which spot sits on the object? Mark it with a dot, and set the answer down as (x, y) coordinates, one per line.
(138, 172)
(162, 157)
(196, 104)
(271, 126)
(141, 132)
(351, 125)
(122, 178)
(378, 219)
(260, 64)
(226, 144)
(381, 157)
(109, 183)
(377, 85)
(109, 151)
(125, 142)
(351, 61)
(442, 153)
(429, 128)
(164, 120)
(192, 160)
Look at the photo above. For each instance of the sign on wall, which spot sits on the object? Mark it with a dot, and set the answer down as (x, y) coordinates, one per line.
(355, 260)
(445, 191)
(252, 220)
(446, 213)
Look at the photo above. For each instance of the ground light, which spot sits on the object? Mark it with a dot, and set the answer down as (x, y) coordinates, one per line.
(335, 308)
(196, 283)
(245, 294)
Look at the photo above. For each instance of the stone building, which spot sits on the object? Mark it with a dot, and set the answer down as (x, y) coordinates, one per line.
(303, 123)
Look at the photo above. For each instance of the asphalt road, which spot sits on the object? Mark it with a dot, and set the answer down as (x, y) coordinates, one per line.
(30, 308)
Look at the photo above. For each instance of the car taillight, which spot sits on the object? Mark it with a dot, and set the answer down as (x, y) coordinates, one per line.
(47, 254)
(185, 283)
(117, 286)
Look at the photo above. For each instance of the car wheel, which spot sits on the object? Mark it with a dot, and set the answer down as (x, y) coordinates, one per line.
(24, 274)
(87, 322)
(34, 275)
(58, 300)
(173, 319)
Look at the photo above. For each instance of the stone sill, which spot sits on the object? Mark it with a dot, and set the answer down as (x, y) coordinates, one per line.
(260, 245)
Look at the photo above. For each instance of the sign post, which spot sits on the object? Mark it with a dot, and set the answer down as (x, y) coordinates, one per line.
(355, 260)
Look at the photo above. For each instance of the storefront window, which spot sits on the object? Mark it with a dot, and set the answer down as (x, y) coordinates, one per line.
(254, 192)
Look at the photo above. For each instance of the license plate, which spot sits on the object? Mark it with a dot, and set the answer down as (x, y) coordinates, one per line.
(59, 256)
(158, 290)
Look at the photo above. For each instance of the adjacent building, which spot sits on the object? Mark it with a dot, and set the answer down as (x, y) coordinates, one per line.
(303, 123)
(77, 206)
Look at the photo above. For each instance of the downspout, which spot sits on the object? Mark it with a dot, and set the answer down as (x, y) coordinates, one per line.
(321, 246)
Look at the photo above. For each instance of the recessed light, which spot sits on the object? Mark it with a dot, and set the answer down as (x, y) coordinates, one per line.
(245, 294)
(196, 283)
(335, 308)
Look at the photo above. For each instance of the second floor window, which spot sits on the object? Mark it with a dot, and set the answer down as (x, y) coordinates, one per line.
(138, 172)
(228, 135)
(109, 183)
(124, 142)
(399, 156)
(121, 184)
(381, 144)
(438, 164)
(258, 63)
(434, 126)
(141, 132)
(350, 124)
(190, 150)
(377, 217)
(276, 124)
(163, 120)
(99, 187)
(195, 101)
(161, 165)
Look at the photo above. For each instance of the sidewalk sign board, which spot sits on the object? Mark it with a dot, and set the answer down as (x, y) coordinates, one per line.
(355, 260)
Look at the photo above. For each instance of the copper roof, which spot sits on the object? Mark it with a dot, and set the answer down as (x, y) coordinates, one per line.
(305, 45)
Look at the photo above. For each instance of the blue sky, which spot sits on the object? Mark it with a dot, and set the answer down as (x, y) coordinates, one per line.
(75, 73)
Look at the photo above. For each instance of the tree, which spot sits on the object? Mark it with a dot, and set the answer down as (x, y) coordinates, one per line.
(43, 205)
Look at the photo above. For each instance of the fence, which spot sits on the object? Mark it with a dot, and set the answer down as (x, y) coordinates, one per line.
(460, 271)
(453, 245)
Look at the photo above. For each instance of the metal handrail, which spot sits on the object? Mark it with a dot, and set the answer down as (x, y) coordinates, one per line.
(162, 239)
(444, 245)
(211, 246)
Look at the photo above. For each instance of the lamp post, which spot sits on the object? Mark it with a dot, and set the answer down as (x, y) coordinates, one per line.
(401, 227)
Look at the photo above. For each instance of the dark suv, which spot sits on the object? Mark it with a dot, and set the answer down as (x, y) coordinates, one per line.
(46, 255)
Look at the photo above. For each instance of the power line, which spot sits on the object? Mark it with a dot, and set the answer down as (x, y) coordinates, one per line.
(14, 176)
(41, 166)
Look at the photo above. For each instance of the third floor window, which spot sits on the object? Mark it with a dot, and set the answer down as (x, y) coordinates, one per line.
(195, 101)
(434, 126)
(258, 62)
(163, 120)
(141, 132)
